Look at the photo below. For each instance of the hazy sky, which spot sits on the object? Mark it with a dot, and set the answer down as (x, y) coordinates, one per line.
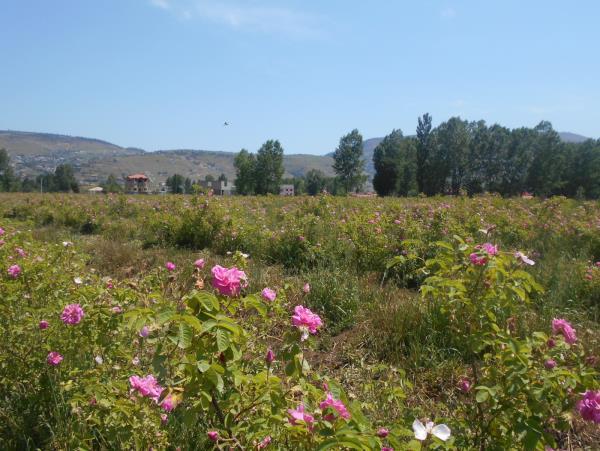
(162, 74)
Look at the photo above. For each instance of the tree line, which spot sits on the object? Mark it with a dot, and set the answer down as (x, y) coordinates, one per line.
(61, 180)
(472, 157)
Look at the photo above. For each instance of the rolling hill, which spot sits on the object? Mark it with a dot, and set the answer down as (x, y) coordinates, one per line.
(94, 159)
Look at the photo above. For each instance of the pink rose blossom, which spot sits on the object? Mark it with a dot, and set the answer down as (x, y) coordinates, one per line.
(268, 294)
(146, 386)
(14, 271)
(21, 252)
(144, 332)
(589, 406)
(72, 314)
(387, 448)
(228, 281)
(563, 327)
(478, 260)
(264, 442)
(550, 364)
(169, 403)
(383, 433)
(164, 418)
(464, 385)
(306, 321)
(306, 288)
(490, 248)
(551, 343)
(54, 358)
(2, 232)
(199, 263)
(300, 415)
(117, 309)
(270, 356)
(170, 266)
(213, 436)
(336, 404)
(43, 324)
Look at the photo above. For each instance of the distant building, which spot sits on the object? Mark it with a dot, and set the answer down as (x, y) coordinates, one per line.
(163, 188)
(136, 184)
(286, 190)
(222, 188)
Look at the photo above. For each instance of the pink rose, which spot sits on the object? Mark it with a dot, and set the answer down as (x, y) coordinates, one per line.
(54, 358)
(228, 281)
(268, 294)
(72, 314)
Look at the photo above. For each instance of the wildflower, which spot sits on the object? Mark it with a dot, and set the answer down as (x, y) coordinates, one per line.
(382, 432)
(306, 288)
(270, 356)
(169, 403)
(213, 436)
(21, 252)
(522, 257)
(54, 358)
(550, 364)
(67, 243)
(268, 294)
(78, 280)
(109, 284)
(228, 281)
(490, 248)
(99, 360)
(43, 324)
(170, 266)
(199, 263)
(147, 386)
(335, 404)
(441, 431)
(14, 271)
(300, 415)
(589, 406)
(464, 385)
(564, 327)
(478, 260)
(306, 321)
(135, 361)
(72, 314)
(164, 418)
(144, 332)
(264, 442)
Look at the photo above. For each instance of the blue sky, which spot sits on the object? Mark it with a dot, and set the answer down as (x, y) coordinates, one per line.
(162, 74)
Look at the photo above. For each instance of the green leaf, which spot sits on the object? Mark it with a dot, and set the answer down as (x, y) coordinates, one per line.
(222, 339)
(185, 335)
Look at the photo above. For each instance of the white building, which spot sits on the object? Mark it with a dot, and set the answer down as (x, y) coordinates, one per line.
(286, 190)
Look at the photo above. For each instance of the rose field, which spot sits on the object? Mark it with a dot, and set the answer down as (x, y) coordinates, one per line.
(304, 323)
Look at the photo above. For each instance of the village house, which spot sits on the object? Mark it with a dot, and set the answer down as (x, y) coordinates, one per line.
(136, 184)
(218, 187)
(286, 190)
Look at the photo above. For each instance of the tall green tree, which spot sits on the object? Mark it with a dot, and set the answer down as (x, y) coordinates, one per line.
(544, 176)
(64, 179)
(424, 148)
(111, 185)
(386, 159)
(315, 182)
(348, 161)
(176, 183)
(452, 140)
(8, 179)
(269, 168)
(245, 170)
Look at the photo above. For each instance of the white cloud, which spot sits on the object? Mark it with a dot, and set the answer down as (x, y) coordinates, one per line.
(163, 4)
(246, 17)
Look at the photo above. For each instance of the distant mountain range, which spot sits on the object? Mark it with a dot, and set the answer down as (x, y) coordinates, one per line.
(94, 159)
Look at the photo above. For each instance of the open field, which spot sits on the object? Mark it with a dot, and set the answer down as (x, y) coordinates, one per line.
(426, 312)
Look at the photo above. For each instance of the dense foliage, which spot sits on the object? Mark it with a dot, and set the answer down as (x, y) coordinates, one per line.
(473, 157)
(308, 323)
